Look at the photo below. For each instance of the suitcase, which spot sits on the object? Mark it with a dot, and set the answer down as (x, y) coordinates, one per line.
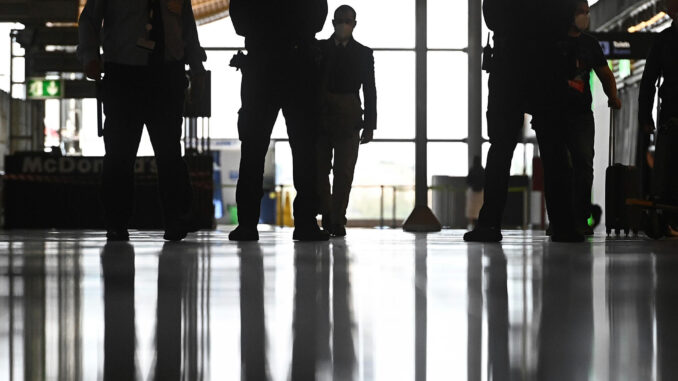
(622, 182)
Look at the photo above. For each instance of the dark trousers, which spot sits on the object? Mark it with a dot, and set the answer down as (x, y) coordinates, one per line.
(338, 146)
(135, 96)
(580, 140)
(271, 82)
(664, 179)
(505, 118)
(553, 138)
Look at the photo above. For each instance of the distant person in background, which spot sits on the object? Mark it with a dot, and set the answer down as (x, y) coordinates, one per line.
(147, 45)
(280, 72)
(584, 55)
(474, 194)
(347, 66)
(662, 62)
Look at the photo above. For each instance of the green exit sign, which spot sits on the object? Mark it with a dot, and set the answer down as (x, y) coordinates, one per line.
(41, 88)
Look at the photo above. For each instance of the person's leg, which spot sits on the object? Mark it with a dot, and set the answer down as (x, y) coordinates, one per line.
(345, 159)
(324, 150)
(580, 143)
(255, 124)
(505, 120)
(557, 178)
(123, 97)
(302, 119)
(164, 121)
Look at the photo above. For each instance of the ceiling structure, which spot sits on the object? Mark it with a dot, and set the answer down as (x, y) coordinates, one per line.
(205, 11)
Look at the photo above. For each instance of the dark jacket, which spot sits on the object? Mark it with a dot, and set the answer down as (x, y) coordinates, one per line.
(272, 23)
(662, 61)
(358, 73)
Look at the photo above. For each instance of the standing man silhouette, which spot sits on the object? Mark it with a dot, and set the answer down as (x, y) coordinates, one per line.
(347, 66)
(280, 71)
(146, 47)
(520, 77)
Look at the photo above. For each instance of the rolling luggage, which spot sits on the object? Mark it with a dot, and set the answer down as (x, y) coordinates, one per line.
(622, 182)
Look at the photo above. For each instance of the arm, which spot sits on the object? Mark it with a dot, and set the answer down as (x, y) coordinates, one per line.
(195, 54)
(370, 92)
(241, 15)
(89, 32)
(651, 74)
(609, 85)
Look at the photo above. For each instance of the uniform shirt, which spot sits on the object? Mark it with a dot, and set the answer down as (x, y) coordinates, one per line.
(662, 61)
(583, 55)
(120, 23)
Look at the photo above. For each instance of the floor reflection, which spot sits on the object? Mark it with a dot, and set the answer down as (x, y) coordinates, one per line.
(380, 305)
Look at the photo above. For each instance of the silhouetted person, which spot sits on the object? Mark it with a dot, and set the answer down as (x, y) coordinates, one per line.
(347, 66)
(518, 79)
(662, 63)
(252, 317)
(117, 262)
(280, 72)
(666, 314)
(144, 84)
(568, 137)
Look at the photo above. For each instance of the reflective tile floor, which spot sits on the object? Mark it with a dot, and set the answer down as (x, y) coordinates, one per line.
(379, 305)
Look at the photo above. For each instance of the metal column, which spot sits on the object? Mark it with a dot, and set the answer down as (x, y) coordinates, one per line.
(475, 87)
(421, 219)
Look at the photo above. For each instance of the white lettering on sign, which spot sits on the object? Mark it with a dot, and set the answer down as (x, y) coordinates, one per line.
(622, 45)
(50, 166)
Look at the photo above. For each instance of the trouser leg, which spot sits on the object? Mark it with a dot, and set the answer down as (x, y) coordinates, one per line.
(580, 143)
(505, 120)
(557, 175)
(123, 103)
(299, 109)
(345, 159)
(164, 121)
(324, 157)
(255, 124)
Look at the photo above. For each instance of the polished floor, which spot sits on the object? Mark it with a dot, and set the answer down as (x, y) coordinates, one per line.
(378, 305)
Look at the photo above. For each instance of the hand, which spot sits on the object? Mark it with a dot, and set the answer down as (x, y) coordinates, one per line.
(367, 136)
(648, 128)
(614, 103)
(93, 69)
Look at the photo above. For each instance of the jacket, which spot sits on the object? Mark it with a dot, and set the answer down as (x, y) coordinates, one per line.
(118, 24)
(359, 73)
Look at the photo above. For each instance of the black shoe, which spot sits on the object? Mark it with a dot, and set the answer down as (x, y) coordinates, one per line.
(338, 231)
(117, 235)
(310, 234)
(569, 236)
(175, 235)
(244, 234)
(482, 234)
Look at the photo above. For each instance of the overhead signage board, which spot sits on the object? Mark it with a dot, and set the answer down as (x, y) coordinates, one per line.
(625, 46)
